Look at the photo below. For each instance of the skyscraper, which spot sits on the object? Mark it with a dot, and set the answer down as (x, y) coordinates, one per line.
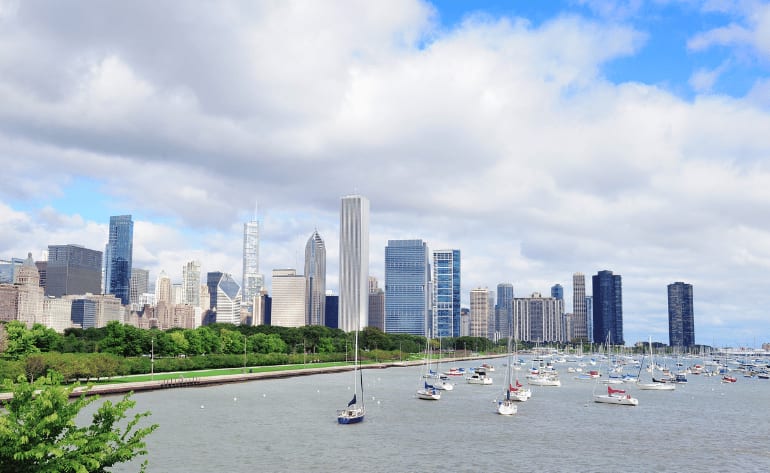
(407, 289)
(608, 308)
(315, 275)
(354, 263)
(224, 298)
(479, 313)
(446, 293)
(681, 321)
(504, 310)
(118, 256)
(73, 269)
(289, 291)
(252, 279)
(140, 284)
(191, 283)
(580, 314)
(539, 319)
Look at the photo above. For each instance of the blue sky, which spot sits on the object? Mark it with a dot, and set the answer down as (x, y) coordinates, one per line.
(540, 138)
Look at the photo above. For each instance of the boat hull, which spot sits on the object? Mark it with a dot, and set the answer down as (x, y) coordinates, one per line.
(656, 386)
(428, 395)
(618, 400)
(506, 408)
(351, 416)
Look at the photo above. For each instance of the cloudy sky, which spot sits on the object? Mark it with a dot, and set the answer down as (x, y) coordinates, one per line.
(539, 138)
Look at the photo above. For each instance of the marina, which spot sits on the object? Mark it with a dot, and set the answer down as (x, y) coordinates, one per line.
(289, 425)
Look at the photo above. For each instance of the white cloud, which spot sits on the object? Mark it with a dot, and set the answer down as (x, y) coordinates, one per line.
(499, 138)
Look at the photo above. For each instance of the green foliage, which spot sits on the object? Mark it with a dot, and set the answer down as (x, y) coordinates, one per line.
(20, 341)
(38, 432)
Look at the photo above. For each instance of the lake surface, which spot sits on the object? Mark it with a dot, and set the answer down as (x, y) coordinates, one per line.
(290, 425)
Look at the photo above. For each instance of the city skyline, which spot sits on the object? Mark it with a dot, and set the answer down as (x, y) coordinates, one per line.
(638, 145)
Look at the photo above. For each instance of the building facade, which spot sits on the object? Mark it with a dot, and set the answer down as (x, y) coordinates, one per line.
(252, 280)
(354, 263)
(191, 283)
(118, 256)
(224, 298)
(479, 313)
(504, 310)
(579, 330)
(407, 287)
(539, 319)
(681, 318)
(446, 293)
(140, 285)
(608, 308)
(289, 290)
(73, 269)
(315, 280)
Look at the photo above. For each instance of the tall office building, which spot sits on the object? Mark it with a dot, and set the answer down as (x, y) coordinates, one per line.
(407, 289)
(580, 314)
(140, 285)
(118, 256)
(539, 319)
(504, 310)
(608, 308)
(590, 319)
(315, 276)
(289, 290)
(252, 279)
(224, 298)
(479, 313)
(354, 263)
(191, 283)
(681, 320)
(73, 269)
(163, 288)
(446, 293)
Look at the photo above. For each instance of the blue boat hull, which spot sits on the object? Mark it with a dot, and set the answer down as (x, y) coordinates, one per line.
(350, 420)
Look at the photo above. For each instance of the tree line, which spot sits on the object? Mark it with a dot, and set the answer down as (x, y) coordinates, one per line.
(118, 349)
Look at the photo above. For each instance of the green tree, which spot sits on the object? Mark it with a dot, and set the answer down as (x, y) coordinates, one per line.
(21, 342)
(38, 432)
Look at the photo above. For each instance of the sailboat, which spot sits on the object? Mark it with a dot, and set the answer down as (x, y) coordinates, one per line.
(428, 392)
(355, 411)
(616, 396)
(652, 385)
(507, 406)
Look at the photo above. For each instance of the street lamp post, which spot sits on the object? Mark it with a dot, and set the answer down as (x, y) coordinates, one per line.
(152, 359)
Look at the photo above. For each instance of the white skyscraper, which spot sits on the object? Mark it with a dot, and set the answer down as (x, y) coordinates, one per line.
(288, 308)
(354, 263)
(191, 283)
(252, 280)
(315, 274)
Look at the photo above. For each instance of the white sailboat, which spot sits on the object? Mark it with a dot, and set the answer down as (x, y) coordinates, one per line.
(355, 411)
(616, 396)
(652, 385)
(507, 405)
(428, 392)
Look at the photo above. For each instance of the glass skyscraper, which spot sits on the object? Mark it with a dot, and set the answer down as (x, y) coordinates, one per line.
(354, 263)
(681, 323)
(224, 298)
(407, 287)
(608, 308)
(315, 274)
(118, 257)
(446, 293)
(72, 269)
(252, 280)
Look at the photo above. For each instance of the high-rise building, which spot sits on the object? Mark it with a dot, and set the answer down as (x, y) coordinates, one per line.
(376, 304)
(557, 291)
(252, 279)
(479, 314)
(332, 310)
(608, 308)
(289, 290)
(315, 276)
(73, 269)
(681, 320)
(446, 293)
(191, 283)
(118, 256)
(539, 319)
(504, 310)
(580, 314)
(590, 319)
(163, 289)
(140, 285)
(354, 263)
(224, 298)
(30, 294)
(407, 289)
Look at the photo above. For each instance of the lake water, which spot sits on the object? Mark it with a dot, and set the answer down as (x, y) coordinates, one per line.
(290, 425)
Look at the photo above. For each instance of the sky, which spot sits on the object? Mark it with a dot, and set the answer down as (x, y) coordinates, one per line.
(539, 138)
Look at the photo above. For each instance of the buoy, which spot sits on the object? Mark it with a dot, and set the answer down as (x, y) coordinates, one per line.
(235, 399)
(201, 406)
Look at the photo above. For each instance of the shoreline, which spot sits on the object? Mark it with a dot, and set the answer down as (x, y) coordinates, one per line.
(193, 381)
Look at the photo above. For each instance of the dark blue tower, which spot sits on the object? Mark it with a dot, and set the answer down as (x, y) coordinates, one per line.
(118, 255)
(608, 308)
